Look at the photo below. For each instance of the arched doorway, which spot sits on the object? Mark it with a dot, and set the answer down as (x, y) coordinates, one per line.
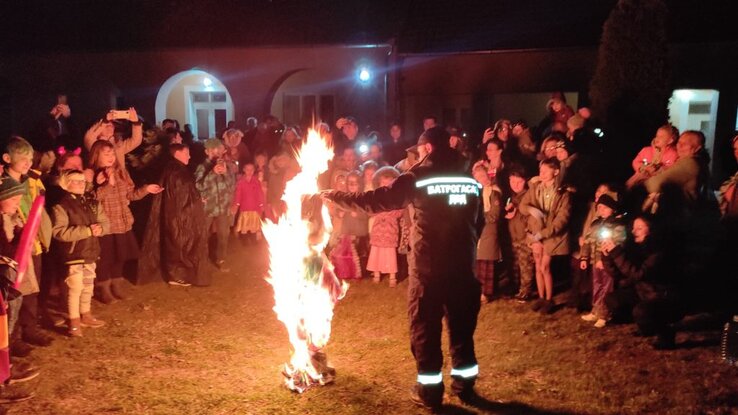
(197, 98)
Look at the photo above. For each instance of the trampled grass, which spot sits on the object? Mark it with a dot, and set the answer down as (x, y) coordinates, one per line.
(219, 350)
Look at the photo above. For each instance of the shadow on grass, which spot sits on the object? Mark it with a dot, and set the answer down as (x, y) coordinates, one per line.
(491, 407)
(707, 341)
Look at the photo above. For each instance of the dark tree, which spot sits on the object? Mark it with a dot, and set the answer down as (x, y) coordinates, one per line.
(630, 89)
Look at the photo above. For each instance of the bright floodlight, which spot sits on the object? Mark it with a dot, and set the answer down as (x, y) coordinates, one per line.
(363, 149)
(207, 81)
(364, 75)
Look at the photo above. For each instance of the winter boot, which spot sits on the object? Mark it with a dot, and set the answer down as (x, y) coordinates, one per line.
(117, 288)
(103, 293)
(75, 328)
(88, 320)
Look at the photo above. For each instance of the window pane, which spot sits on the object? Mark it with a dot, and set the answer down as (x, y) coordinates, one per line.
(291, 109)
(219, 96)
(203, 126)
(220, 120)
(327, 111)
(200, 97)
(308, 109)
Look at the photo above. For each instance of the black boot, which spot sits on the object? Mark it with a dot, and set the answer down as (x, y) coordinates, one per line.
(103, 293)
(665, 340)
(428, 396)
(19, 348)
(117, 288)
(36, 337)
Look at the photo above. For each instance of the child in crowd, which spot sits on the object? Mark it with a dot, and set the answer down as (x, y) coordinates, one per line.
(261, 171)
(11, 193)
(548, 228)
(79, 222)
(174, 243)
(343, 253)
(605, 227)
(215, 179)
(355, 223)
(368, 168)
(260, 162)
(53, 274)
(488, 246)
(248, 204)
(660, 155)
(18, 158)
(522, 261)
(385, 233)
(581, 294)
(115, 190)
(65, 160)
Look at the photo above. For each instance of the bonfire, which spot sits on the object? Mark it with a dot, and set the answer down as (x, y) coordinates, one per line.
(305, 286)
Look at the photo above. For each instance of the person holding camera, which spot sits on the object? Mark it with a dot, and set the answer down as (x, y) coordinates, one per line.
(104, 129)
(215, 179)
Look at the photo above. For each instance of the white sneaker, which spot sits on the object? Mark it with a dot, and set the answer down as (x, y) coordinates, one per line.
(600, 323)
(589, 317)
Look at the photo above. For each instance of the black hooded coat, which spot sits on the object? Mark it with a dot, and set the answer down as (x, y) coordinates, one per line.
(175, 243)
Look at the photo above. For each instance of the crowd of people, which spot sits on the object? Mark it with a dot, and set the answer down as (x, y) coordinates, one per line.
(554, 228)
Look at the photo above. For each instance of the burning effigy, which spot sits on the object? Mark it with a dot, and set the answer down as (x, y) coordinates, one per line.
(306, 288)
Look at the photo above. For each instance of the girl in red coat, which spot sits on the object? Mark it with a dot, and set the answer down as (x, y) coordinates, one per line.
(249, 203)
(384, 235)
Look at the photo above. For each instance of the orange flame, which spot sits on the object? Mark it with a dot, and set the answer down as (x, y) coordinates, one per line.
(305, 288)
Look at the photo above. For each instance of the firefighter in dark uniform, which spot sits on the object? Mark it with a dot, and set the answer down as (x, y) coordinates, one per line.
(443, 247)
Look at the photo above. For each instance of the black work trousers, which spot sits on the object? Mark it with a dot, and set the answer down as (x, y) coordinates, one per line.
(457, 298)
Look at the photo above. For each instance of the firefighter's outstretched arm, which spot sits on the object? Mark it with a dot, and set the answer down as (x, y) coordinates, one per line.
(395, 196)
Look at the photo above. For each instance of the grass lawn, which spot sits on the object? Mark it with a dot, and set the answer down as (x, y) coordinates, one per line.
(219, 350)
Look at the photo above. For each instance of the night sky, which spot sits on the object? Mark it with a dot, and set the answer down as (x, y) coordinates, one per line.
(418, 26)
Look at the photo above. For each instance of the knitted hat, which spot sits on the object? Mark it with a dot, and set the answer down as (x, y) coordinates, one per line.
(608, 201)
(10, 187)
(212, 143)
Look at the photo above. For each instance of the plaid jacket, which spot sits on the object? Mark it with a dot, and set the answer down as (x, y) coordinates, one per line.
(115, 200)
(216, 189)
